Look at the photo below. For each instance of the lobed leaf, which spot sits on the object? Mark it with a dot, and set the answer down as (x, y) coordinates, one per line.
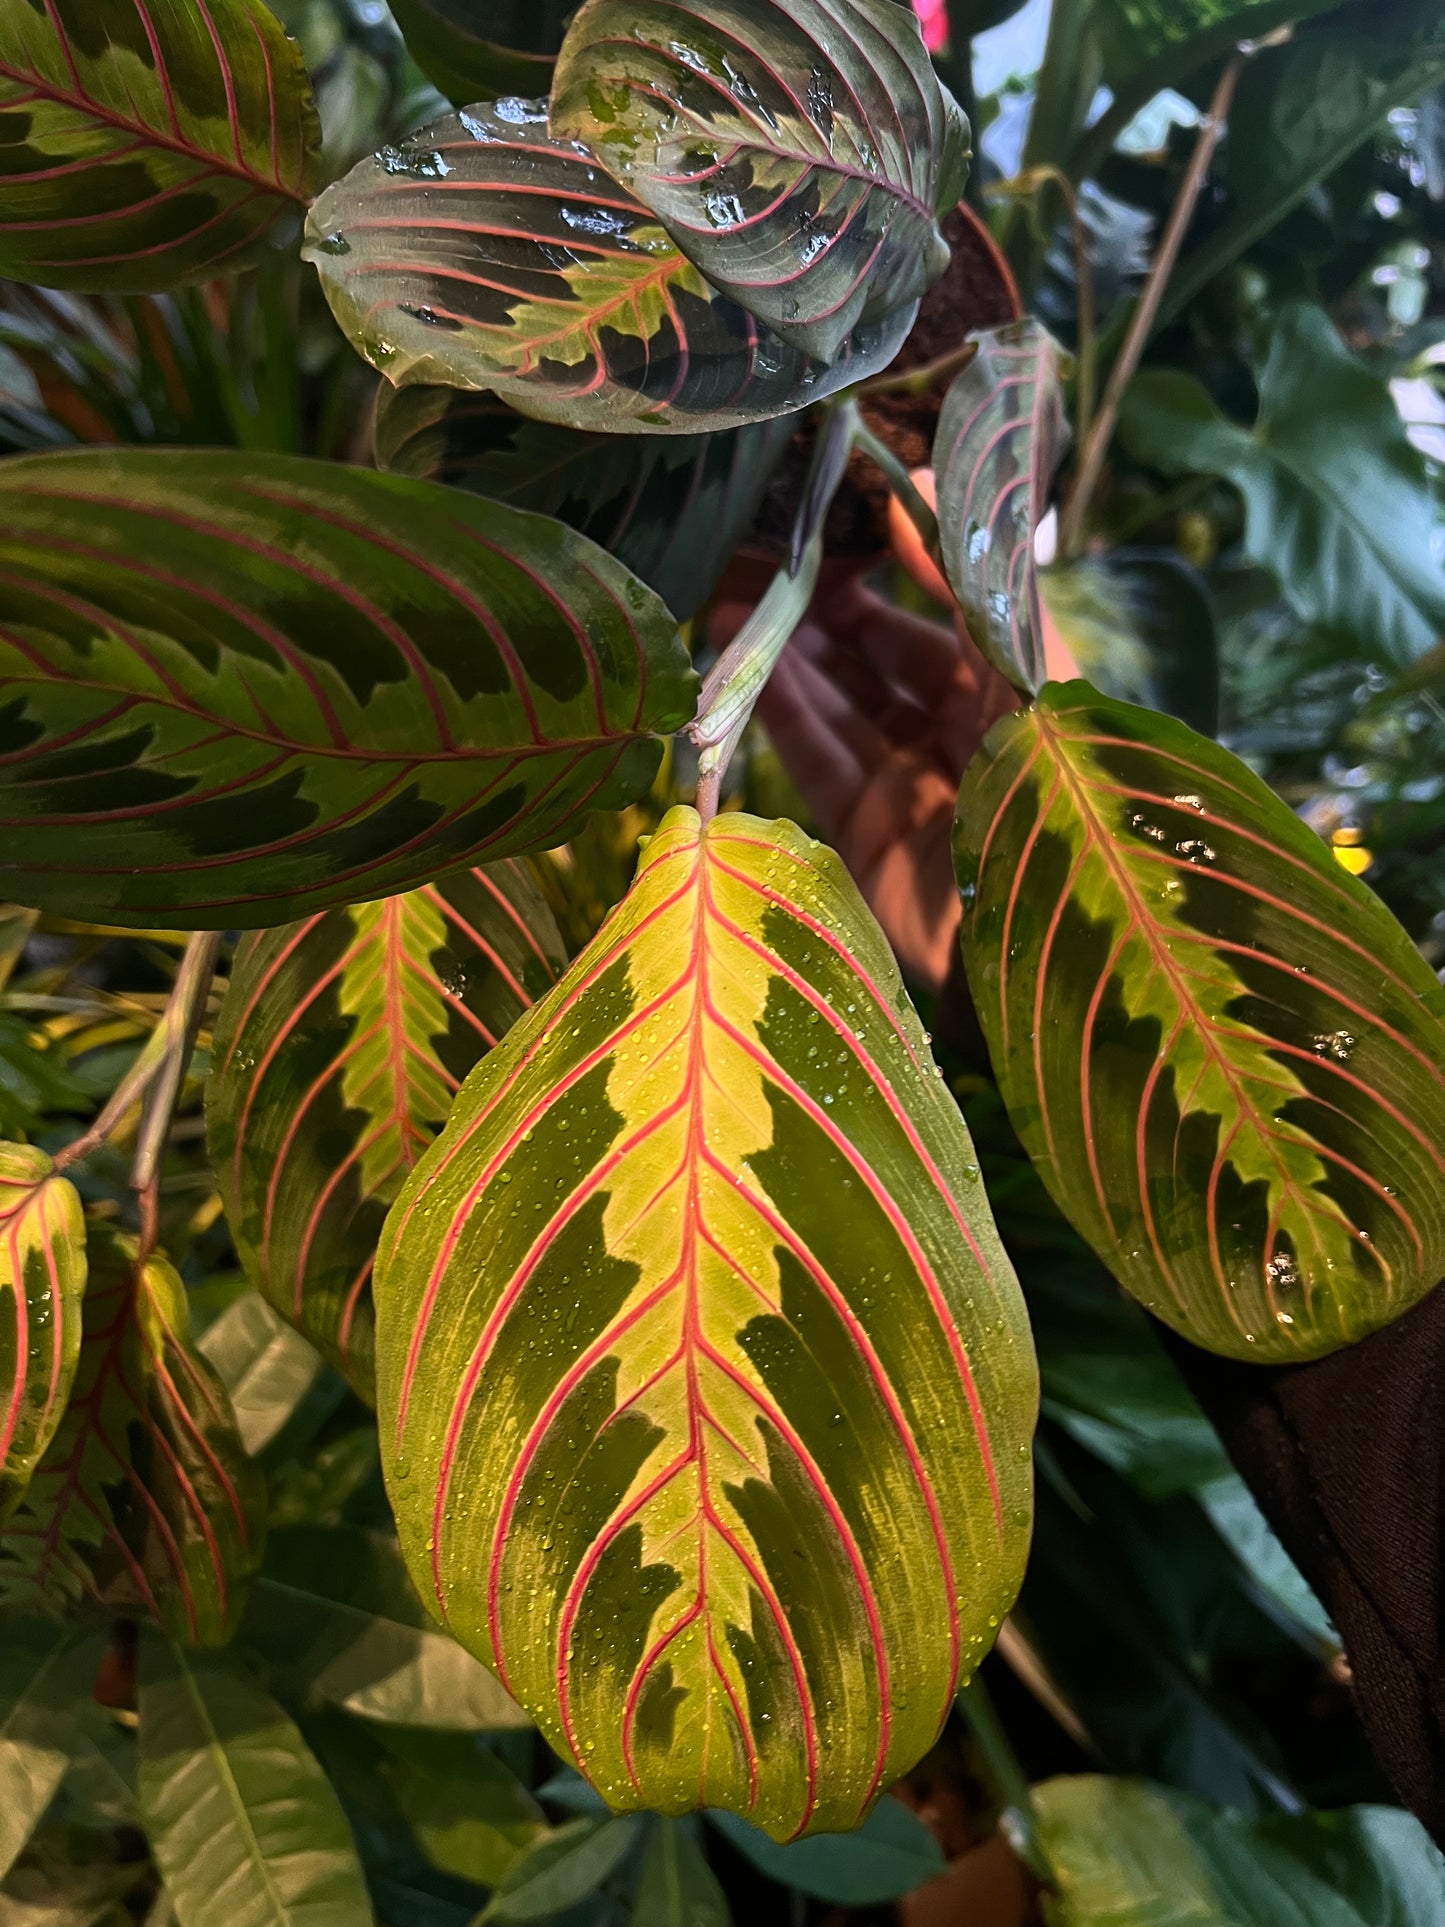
(340, 1046)
(146, 1501)
(514, 54)
(799, 152)
(42, 1283)
(1225, 1057)
(1001, 436)
(483, 253)
(672, 508)
(235, 688)
(705, 1385)
(146, 144)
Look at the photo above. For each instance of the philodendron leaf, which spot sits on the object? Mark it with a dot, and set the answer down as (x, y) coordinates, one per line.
(243, 1823)
(1224, 1055)
(146, 1500)
(483, 49)
(42, 1282)
(482, 253)
(1002, 434)
(705, 1385)
(147, 145)
(340, 1047)
(799, 152)
(672, 508)
(240, 687)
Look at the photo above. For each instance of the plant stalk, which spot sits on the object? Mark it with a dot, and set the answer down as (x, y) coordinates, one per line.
(1010, 1783)
(177, 1030)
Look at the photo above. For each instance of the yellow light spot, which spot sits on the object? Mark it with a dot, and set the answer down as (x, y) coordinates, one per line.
(1353, 857)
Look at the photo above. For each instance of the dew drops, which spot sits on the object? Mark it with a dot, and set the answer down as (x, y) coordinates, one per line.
(1339, 1045)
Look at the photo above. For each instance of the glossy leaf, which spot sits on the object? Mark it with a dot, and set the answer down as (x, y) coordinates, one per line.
(147, 144)
(146, 1500)
(561, 1869)
(670, 508)
(799, 152)
(1337, 505)
(676, 1887)
(241, 1819)
(798, 1335)
(339, 1049)
(890, 1855)
(241, 687)
(41, 1672)
(482, 253)
(483, 49)
(42, 1282)
(1001, 436)
(1225, 1057)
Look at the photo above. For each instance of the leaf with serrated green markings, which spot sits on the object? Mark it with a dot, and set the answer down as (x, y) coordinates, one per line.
(1002, 434)
(42, 1282)
(340, 1047)
(243, 1823)
(705, 1385)
(799, 152)
(482, 253)
(672, 508)
(147, 142)
(483, 49)
(146, 1500)
(1224, 1055)
(235, 688)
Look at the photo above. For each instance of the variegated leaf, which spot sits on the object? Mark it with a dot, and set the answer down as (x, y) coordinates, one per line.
(42, 1281)
(146, 1500)
(705, 1385)
(147, 142)
(1223, 1053)
(797, 151)
(340, 1047)
(235, 688)
(672, 508)
(1001, 436)
(484, 254)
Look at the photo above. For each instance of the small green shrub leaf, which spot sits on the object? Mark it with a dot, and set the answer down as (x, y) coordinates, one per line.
(42, 1282)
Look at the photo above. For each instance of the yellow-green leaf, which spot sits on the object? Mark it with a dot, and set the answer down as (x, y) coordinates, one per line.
(42, 1281)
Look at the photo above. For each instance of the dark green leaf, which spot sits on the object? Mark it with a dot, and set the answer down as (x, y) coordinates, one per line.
(1336, 500)
(888, 1856)
(798, 153)
(242, 1821)
(1139, 624)
(42, 1671)
(243, 687)
(562, 1868)
(513, 55)
(1151, 44)
(1225, 1057)
(677, 1888)
(671, 508)
(468, 1811)
(482, 253)
(146, 145)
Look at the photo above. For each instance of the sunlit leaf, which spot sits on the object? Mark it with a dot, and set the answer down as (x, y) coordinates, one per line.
(481, 253)
(239, 687)
(798, 151)
(705, 1385)
(672, 508)
(339, 1049)
(1224, 1055)
(472, 50)
(1001, 436)
(42, 1282)
(146, 1501)
(243, 1823)
(147, 145)
(267, 1368)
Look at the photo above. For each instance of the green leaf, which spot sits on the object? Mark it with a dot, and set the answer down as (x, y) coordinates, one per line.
(42, 1283)
(696, 1514)
(1139, 624)
(562, 1869)
(243, 1823)
(146, 1499)
(889, 1855)
(1128, 1854)
(266, 1368)
(146, 146)
(469, 1812)
(1151, 44)
(1224, 1055)
(340, 1046)
(42, 1670)
(1336, 501)
(670, 508)
(514, 56)
(677, 1888)
(798, 154)
(482, 253)
(336, 1616)
(245, 687)
(1001, 436)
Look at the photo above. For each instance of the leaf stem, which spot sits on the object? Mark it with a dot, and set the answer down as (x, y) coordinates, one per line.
(1010, 1784)
(917, 381)
(177, 1030)
(1141, 322)
(903, 486)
